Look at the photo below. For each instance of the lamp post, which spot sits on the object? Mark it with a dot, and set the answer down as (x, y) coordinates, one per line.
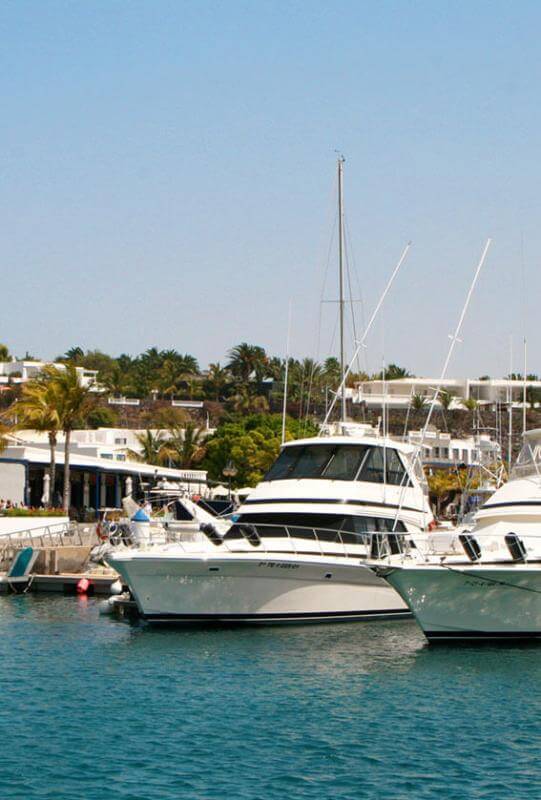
(229, 471)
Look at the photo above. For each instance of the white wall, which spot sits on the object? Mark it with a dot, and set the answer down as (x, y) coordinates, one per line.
(12, 480)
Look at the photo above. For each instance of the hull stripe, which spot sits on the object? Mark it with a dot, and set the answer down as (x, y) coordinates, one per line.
(397, 613)
(324, 501)
(487, 506)
(484, 635)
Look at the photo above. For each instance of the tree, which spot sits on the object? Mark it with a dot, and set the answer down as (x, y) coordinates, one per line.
(74, 354)
(4, 353)
(151, 445)
(393, 373)
(446, 399)
(246, 360)
(252, 443)
(470, 403)
(73, 402)
(4, 436)
(102, 417)
(216, 382)
(185, 447)
(244, 402)
(417, 401)
(442, 484)
(331, 372)
(39, 409)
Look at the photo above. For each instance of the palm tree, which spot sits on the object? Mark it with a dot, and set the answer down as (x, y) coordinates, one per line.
(393, 373)
(185, 447)
(39, 409)
(74, 402)
(4, 439)
(246, 360)
(152, 447)
(75, 354)
(417, 401)
(470, 403)
(217, 380)
(445, 398)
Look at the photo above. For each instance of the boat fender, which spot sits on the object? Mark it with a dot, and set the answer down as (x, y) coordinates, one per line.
(515, 545)
(83, 586)
(211, 533)
(471, 546)
(250, 534)
(116, 588)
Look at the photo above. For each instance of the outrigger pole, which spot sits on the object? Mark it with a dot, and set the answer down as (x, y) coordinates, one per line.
(361, 342)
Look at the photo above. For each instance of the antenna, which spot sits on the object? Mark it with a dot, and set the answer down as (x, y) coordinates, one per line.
(524, 392)
(361, 343)
(284, 409)
(510, 400)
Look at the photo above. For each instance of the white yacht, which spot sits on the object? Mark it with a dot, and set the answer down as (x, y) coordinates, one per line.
(296, 550)
(489, 585)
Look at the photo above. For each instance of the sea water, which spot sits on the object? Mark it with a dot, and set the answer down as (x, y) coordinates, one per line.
(97, 708)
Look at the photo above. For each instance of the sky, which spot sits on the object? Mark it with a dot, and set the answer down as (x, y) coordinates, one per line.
(168, 177)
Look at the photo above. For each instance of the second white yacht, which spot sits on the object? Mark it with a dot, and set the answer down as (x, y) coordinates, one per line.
(490, 587)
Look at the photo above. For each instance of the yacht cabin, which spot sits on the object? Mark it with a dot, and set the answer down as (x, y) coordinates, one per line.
(339, 483)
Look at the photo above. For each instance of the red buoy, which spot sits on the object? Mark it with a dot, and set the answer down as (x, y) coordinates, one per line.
(83, 586)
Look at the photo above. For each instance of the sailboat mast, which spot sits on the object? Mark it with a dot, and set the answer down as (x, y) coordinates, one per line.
(341, 160)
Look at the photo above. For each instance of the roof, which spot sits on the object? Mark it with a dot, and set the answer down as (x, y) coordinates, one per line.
(364, 440)
(39, 455)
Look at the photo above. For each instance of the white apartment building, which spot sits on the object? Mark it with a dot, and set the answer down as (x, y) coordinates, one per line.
(21, 371)
(113, 444)
(441, 449)
(398, 394)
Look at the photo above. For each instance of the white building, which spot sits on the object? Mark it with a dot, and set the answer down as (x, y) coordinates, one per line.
(21, 371)
(441, 449)
(398, 393)
(114, 444)
(95, 482)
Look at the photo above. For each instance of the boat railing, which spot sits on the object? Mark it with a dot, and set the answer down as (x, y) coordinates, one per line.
(61, 534)
(471, 545)
(327, 541)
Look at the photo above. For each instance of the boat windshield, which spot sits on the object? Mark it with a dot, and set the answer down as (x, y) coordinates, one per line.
(528, 461)
(344, 462)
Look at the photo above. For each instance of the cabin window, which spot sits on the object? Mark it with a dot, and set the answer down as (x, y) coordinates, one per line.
(312, 461)
(345, 463)
(396, 473)
(372, 470)
(375, 463)
(284, 464)
(317, 461)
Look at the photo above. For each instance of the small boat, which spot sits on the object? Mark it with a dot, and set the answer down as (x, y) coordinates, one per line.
(488, 585)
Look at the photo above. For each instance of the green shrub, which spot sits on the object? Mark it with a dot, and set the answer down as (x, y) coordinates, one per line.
(32, 512)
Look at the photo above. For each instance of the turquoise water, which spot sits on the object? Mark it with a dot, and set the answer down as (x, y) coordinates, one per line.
(96, 708)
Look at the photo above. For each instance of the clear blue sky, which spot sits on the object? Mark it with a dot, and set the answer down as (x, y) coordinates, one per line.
(167, 174)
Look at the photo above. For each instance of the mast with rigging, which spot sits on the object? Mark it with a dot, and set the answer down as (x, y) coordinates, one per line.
(341, 160)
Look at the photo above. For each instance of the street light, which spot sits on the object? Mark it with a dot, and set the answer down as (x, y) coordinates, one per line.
(229, 471)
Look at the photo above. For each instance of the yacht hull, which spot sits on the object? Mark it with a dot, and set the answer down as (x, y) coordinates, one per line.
(467, 603)
(260, 590)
